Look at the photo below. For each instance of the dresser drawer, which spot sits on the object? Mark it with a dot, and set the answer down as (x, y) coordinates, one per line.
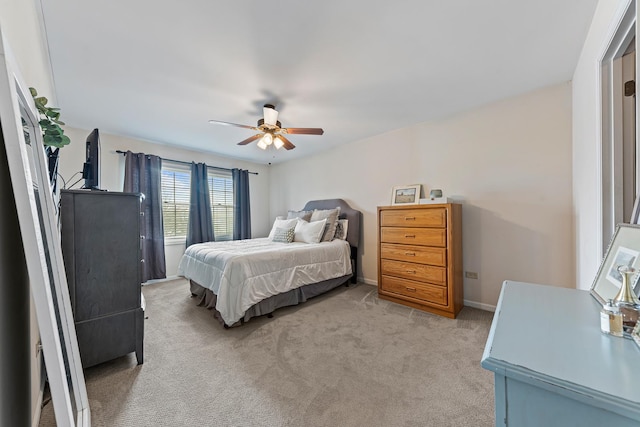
(419, 291)
(418, 254)
(414, 236)
(410, 270)
(436, 217)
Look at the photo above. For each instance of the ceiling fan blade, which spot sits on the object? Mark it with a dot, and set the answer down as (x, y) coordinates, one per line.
(303, 131)
(250, 139)
(287, 144)
(218, 122)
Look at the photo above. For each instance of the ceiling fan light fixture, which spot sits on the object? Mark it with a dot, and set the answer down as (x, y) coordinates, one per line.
(278, 142)
(262, 144)
(267, 138)
(270, 114)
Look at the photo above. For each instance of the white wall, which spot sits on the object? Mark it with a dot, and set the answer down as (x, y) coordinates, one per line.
(19, 20)
(508, 162)
(587, 171)
(72, 158)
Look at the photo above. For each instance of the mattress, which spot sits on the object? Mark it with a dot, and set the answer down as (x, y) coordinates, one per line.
(244, 272)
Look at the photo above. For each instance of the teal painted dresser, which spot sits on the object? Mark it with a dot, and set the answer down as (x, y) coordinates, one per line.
(553, 366)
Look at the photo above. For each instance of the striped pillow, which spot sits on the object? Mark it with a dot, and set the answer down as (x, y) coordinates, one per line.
(284, 235)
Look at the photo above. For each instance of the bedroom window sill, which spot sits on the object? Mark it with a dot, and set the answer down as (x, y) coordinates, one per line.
(174, 241)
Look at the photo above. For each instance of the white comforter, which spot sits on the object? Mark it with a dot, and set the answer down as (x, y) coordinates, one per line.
(244, 272)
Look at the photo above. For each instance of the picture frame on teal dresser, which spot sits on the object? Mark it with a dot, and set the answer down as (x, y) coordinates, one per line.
(635, 335)
(624, 249)
(405, 194)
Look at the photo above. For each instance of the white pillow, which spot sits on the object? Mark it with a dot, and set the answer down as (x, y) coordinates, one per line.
(309, 232)
(282, 223)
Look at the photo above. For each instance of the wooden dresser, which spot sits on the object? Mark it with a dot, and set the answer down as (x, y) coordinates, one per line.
(420, 256)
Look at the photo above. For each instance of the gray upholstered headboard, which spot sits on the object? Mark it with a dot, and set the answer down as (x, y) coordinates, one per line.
(346, 212)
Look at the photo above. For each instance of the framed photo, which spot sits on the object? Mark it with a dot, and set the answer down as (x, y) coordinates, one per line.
(635, 335)
(635, 214)
(624, 249)
(405, 195)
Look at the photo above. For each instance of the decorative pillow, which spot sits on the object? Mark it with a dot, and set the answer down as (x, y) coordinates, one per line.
(282, 223)
(309, 232)
(284, 235)
(331, 215)
(306, 215)
(341, 229)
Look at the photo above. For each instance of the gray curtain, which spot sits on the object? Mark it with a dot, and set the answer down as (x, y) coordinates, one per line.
(142, 174)
(241, 204)
(200, 225)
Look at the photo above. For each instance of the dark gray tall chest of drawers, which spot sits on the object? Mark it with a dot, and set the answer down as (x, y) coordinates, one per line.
(102, 257)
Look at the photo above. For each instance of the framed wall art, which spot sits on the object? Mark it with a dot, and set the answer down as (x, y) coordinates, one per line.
(405, 194)
(624, 249)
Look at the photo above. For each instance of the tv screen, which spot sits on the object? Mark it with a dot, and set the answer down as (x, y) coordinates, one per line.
(91, 169)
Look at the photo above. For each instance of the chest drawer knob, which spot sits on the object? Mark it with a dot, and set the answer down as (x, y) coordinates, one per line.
(411, 272)
(409, 236)
(409, 218)
(410, 253)
(411, 289)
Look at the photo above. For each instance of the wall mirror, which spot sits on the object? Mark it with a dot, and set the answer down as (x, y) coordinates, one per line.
(624, 249)
(41, 240)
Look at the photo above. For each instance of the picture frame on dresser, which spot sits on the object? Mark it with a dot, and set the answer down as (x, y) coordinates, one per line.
(624, 249)
(635, 335)
(405, 194)
(36, 210)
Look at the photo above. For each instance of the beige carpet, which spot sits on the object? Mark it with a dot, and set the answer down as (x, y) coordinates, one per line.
(345, 358)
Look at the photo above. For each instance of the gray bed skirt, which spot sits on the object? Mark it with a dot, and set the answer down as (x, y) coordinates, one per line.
(206, 298)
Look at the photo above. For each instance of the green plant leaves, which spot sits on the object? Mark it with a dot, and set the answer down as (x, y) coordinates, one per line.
(50, 123)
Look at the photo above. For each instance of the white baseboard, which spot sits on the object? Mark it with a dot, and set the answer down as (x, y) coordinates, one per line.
(479, 305)
(166, 279)
(367, 281)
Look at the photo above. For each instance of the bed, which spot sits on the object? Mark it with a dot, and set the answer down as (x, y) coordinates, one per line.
(242, 279)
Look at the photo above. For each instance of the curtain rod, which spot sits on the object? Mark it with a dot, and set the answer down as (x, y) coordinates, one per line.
(189, 163)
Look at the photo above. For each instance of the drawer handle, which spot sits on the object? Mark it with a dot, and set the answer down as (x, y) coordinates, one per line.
(411, 289)
(409, 218)
(409, 235)
(410, 253)
(410, 271)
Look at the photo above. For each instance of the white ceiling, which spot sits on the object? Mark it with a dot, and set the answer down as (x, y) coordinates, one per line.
(159, 70)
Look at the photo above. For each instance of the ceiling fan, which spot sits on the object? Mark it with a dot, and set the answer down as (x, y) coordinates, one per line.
(271, 130)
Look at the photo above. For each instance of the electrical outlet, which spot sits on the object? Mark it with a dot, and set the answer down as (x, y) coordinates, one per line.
(470, 274)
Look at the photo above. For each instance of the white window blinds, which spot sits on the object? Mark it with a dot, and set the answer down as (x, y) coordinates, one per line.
(176, 187)
(176, 184)
(221, 195)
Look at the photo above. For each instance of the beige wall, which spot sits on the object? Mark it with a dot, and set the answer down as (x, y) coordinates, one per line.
(587, 142)
(21, 27)
(509, 163)
(72, 158)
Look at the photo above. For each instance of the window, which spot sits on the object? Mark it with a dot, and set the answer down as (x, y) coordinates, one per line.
(221, 196)
(176, 184)
(176, 188)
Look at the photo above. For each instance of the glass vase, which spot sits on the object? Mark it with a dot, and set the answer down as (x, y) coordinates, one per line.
(626, 300)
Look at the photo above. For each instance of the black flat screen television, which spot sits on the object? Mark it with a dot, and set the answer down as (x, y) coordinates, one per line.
(91, 169)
